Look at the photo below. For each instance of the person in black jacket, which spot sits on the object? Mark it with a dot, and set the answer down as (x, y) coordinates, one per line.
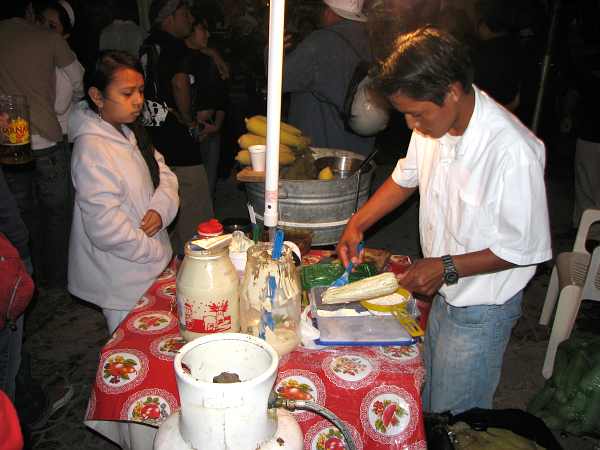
(209, 97)
(173, 130)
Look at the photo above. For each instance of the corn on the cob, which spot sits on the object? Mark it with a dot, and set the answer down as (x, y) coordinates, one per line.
(248, 139)
(243, 157)
(284, 126)
(375, 286)
(285, 157)
(259, 127)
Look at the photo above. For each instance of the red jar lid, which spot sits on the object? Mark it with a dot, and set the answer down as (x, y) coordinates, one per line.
(211, 227)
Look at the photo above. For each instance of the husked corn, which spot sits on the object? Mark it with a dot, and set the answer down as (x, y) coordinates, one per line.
(375, 286)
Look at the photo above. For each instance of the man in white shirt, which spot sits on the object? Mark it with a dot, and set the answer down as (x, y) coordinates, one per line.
(483, 214)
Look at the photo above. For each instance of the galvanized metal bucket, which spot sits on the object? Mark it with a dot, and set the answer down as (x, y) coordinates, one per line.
(322, 207)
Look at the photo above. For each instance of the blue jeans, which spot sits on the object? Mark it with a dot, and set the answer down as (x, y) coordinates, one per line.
(42, 193)
(464, 348)
(10, 356)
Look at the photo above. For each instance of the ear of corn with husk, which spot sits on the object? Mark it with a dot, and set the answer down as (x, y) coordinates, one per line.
(367, 288)
(286, 157)
(258, 126)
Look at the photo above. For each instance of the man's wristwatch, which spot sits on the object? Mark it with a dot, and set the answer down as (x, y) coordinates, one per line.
(450, 272)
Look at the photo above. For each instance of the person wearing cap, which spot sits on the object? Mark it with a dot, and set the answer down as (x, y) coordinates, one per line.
(483, 215)
(172, 22)
(59, 16)
(319, 69)
(123, 33)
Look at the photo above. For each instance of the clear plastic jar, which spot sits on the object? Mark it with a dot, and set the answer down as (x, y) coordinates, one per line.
(207, 293)
(254, 301)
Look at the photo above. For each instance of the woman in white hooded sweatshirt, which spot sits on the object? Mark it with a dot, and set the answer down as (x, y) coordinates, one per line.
(125, 195)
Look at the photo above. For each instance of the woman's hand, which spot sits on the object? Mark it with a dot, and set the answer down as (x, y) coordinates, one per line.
(151, 223)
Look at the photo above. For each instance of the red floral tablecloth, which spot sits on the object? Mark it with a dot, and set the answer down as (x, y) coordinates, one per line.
(375, 390)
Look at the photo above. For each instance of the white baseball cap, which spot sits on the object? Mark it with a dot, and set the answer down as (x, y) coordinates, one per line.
(348, 9)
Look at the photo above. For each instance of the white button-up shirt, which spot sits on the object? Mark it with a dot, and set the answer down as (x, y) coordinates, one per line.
(482, 190)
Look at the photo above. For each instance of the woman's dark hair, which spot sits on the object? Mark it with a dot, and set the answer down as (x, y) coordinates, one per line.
(65, 21)
(423, 65)
(107, 65)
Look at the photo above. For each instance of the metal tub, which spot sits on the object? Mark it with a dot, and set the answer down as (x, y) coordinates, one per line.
(322, 207)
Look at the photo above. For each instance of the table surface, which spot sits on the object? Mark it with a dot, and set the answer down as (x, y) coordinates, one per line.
(375, 390)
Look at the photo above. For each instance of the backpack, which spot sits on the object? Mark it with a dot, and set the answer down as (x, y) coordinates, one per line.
(155, 109)
(361, 70)
(16, 285)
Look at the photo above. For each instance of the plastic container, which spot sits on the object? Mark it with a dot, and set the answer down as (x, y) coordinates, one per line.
(207, 293)
(254, 302)
(355, 325)
(210, 228)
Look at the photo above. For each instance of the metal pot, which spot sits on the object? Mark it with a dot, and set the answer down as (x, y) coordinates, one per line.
(322, 207)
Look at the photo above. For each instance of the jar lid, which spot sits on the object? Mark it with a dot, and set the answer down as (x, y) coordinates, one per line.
(198, 252)
(210, 227)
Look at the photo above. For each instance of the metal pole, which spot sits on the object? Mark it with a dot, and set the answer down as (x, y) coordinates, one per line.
(545, 67)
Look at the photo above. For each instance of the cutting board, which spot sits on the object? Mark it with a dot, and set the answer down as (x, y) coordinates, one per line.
(247, 175)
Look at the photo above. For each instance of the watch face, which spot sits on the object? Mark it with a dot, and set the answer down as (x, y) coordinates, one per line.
(451, 278)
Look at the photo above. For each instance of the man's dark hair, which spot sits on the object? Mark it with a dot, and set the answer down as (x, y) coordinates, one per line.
(423, 65)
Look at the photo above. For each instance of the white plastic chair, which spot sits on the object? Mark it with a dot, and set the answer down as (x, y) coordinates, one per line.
(575, 277)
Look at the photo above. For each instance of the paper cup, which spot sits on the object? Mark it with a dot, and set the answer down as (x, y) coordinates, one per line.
(258, 156)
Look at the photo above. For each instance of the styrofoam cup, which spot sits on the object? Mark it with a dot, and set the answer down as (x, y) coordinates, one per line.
(258, 156)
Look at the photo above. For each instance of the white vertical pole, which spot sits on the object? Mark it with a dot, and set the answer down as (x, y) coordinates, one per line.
(275, 69)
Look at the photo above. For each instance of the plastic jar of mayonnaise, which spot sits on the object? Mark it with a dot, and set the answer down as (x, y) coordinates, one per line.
(207, 293)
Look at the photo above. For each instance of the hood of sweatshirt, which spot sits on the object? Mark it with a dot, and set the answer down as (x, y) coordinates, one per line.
(83, 121)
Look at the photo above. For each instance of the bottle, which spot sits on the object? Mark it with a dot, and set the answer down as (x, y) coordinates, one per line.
(207, 293)
(15, 144)
(284, 311)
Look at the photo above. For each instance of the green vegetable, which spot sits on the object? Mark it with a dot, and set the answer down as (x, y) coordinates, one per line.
(541, 399)
(591, 380)
(561, 366)
(578, 366)
(591, 416)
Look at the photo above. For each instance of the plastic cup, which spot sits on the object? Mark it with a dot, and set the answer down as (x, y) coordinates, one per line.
(258, 156)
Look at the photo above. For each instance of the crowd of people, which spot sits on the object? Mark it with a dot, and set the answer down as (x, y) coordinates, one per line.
(128, 149)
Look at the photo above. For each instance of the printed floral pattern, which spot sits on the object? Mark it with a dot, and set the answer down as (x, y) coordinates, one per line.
(350, 370)
(167, 291)
(144, 302)
(150, 406)
(323, 436)
(349, 365)
(151, 322)
(301, 385)
(121, 370)
(386, 414)
(400, 352)
(166, 347)
(292, 389)
(150, 410)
